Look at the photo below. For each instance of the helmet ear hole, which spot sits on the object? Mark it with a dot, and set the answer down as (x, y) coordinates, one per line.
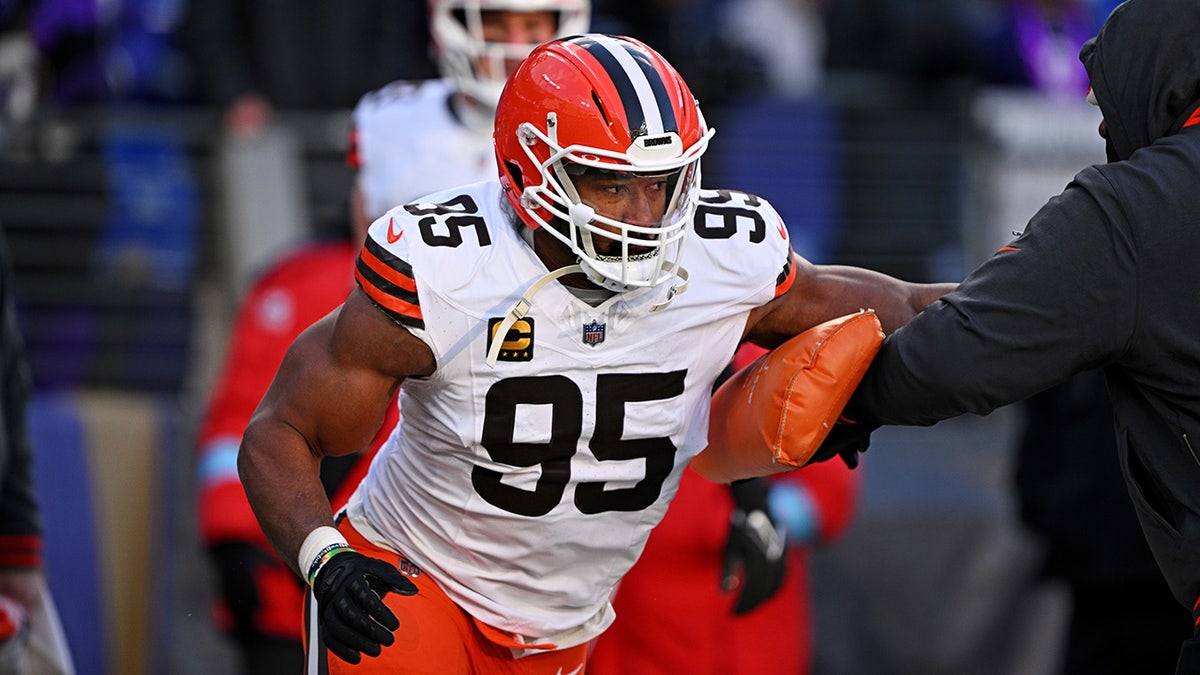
(514, 170)
(600, 107)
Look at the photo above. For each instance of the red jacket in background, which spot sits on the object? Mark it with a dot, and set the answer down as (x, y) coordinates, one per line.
(301, 288)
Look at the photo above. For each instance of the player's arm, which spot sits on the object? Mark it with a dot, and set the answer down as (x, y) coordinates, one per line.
(329, 397)
(823, 292)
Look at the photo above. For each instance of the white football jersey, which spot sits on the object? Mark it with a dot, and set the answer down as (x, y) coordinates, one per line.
(529, 489)
(407, 143)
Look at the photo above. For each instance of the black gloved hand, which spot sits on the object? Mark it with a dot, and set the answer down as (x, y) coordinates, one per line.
(846, 440)
(349, 589)
(755, 551)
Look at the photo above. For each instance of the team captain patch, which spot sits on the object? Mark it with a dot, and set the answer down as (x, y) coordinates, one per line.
(518, 342)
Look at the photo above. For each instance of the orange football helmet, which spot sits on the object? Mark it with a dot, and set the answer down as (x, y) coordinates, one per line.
(609, 103)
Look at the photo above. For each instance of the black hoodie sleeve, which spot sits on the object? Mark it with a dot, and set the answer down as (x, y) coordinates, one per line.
(20, 524)
(1059, 299)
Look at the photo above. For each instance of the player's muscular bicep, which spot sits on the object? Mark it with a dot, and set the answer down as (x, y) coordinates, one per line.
(366, 338)
(340, 375)
(811, 300)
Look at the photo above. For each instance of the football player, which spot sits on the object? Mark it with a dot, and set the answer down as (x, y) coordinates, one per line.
(411, 138)
(554, 335)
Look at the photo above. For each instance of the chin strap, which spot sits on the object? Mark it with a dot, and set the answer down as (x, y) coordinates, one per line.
(675, 289)
(520, 309)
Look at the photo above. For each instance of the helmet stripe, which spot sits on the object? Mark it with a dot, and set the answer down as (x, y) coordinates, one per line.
(643, 93)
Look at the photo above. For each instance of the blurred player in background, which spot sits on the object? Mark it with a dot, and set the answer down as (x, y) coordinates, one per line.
(412, 138)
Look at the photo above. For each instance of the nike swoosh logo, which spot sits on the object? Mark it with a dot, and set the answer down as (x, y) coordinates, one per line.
(783, 232)
(393, 236)
(573, 672)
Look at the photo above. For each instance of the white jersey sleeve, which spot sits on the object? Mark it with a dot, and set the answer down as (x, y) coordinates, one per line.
(406, 143)
(529, 489)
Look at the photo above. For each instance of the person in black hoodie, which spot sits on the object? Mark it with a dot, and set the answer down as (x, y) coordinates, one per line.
(1106, 274)
(1071, 496)
(22, 576)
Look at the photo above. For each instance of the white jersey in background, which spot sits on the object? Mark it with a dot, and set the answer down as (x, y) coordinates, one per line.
(527, 490)
(407, 142)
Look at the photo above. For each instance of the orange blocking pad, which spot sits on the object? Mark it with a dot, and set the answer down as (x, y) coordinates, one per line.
(772, 415)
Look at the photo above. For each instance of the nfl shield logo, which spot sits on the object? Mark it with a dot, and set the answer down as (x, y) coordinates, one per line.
(593, 333)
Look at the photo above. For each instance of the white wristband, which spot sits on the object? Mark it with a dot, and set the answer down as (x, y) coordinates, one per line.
(317, 545)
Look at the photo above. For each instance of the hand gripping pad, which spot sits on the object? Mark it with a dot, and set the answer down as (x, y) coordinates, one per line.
(772, 415)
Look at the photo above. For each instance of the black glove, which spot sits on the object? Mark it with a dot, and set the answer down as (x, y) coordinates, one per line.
(755, 551)
(349, 591)
(846, 440)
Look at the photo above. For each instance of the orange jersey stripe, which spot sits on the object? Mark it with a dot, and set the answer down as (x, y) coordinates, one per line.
(787, 277)
(389, 274)
(388, 302)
